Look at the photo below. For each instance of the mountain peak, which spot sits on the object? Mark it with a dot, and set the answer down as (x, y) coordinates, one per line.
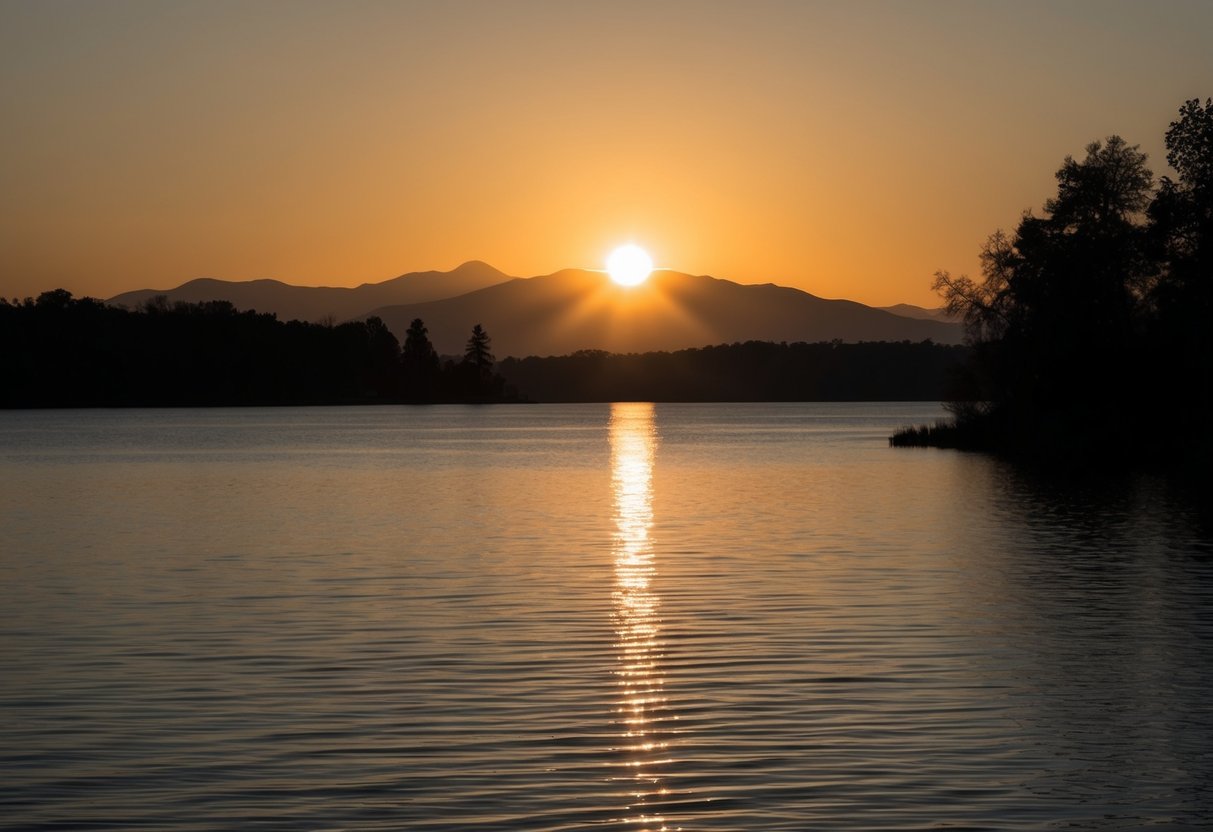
(478, 266)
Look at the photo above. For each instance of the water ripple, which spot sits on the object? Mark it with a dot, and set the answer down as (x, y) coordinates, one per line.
(634, 617)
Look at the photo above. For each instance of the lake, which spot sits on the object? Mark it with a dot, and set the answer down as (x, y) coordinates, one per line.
(629, 616)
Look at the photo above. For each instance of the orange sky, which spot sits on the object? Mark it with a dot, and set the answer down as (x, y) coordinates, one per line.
(849, 149)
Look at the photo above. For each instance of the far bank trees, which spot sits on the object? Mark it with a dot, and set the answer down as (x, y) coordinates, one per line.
(63, 351)
(78, 352)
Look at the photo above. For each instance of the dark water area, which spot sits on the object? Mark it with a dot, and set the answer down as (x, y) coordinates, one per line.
(630, 616)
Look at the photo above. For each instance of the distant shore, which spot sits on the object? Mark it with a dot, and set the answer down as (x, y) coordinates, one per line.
(79, 352)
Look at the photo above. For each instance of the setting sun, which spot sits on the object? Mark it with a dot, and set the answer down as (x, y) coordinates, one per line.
(629, 265)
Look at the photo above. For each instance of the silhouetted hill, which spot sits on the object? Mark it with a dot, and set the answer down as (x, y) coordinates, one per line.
(575, 309)
(309, 303)
(909, 310)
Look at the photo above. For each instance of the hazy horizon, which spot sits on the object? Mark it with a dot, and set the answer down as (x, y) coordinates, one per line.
(846, 150)
(937, 304)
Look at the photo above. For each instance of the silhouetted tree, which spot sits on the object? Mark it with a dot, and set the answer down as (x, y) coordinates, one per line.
(382, 360)
(1181, 226)
(1054, 323)
(473, 378)
(1090, 329)
(477, 352)
(1190, 146)
(417, 346)
(419, 362)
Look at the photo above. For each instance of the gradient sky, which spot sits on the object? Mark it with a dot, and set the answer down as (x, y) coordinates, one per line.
(850, 149)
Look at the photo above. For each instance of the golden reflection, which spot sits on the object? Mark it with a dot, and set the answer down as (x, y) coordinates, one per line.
(642, 702)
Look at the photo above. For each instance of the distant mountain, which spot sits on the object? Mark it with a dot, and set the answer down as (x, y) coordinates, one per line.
(909, 310)
(309, 303)
(575, 309)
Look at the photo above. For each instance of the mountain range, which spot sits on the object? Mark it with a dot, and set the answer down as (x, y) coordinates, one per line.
(320, 303)
(576, 309)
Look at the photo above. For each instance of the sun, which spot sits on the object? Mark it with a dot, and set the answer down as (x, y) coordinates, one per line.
(629, 265)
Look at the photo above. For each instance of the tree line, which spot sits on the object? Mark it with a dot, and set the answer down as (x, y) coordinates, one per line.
(1090, 326)
(750, 371)
(61, 351)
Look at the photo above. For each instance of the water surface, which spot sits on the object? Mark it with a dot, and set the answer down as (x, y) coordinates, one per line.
(699, 617)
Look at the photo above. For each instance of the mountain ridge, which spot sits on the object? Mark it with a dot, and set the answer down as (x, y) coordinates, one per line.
(909, 310)
(577, 309)
(318, 303)
(572, 309)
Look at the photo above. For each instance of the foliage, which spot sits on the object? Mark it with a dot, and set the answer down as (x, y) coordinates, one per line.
(68, 352)
(1090, 316)
(473, 377)
(477, 352)
(1181, 229)
(1190, 146)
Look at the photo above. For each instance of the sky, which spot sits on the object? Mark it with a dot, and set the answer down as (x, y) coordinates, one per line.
(850, 149)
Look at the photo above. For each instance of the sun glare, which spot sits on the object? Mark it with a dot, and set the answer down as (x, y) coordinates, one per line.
(629, 265)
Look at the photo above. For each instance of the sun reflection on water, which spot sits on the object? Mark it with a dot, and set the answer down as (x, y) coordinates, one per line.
(641, 710)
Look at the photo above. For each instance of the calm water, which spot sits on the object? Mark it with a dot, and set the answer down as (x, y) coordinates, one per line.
(697, 617)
